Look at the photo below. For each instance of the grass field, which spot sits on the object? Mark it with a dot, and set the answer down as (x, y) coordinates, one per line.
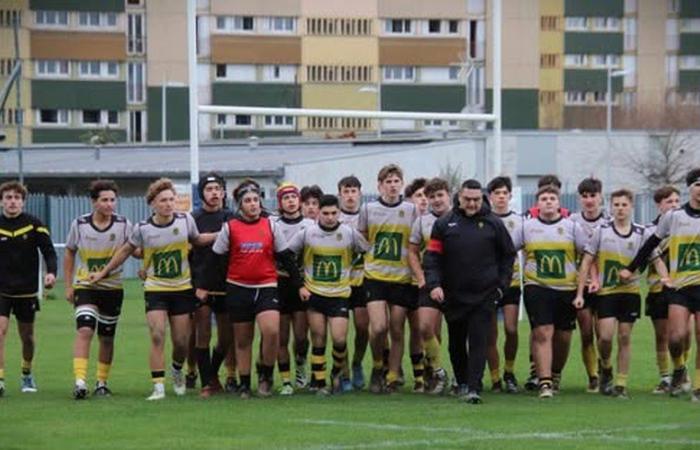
(574, 419)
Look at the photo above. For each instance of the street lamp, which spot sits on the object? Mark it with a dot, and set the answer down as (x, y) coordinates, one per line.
(378, 90)
(608, 116)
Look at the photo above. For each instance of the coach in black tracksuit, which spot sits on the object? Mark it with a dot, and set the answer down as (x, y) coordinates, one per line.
(468, 265)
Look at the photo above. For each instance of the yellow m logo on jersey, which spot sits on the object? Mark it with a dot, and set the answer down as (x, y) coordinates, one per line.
(167, 264)
(551, 263)
(327, 268)
(611, 273)
(388, 246)
(689, 257)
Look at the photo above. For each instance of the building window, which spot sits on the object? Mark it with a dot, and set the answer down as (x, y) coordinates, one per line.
(575, 98)
(549, 61)
(548, 97)
(281, 24)
(243, 23)
(433, 26)
(601, 98)
(690, 25)
(97, 19)
(453, 73)
(689, 62)
(440, 124)
(398, 26)
(51, 18)
(605, 23)
(134, 2)
(576, 23)
(599, 61)
(279, 73)
(629, 100)
(98, 69)
(549, 23)
(399, 73)
(336, 26)
(576, 60)
(690, 98)
(52, 68)
(90, 117)
(671, 71)
(52, 116)
(236, 72)
(221, 71)
(453, 26)
(339, 74)
(136, 132)
(9, 17)
(135, 83)
(135, 34)
(279, 122)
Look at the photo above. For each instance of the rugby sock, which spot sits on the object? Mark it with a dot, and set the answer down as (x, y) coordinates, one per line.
(606, 364)
(245, 381)
(696, 381)
(340, 354)
(495, 375)
(158, 376)
(192, 366)
(662, 362)
(177, 367)
(217, 358)
(391, 377)
(377, 364)
(2, 374)
(533, 369)
(318, 365)
(80, 367)
(26, 367)
(432, 352)
(230, 371)
(686, 356)
(590, 360)
(301, 349)
(621, 379)
(385, 357)
(678, 361)
(418, 367)
(204, 363)
(545, 381)
(266, 372)
(285, 372)
(103, 371)
(509, 366)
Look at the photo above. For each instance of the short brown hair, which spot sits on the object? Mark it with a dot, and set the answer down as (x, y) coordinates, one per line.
(416, 185)
(623, 193)
(665, 192)
(15, 186)
(436, 184)
(388, 170)
(158, 186)
(548, 189)
(98, 186)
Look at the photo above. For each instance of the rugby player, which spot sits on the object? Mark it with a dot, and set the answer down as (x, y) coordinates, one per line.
(310, 198)
(20, 236)
(95, 238)
(328, 248)
(169, 295)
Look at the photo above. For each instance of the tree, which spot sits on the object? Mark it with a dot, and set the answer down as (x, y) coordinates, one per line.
(668, 159)
(452, 174)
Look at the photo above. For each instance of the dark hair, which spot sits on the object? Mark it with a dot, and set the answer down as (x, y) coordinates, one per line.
(590, 185)
(313, 191)
(15, 186)
(98, 186)
(349, 181)
(498, 183)
(623, 193)
(665, 192)
(436, 184)
(471, 184)
(158, 186)
(245, 186)
(328, 200)
(692, 176)
(388, 170)
(549, 179)
(548, 189)
(416, 185)
(210, 177)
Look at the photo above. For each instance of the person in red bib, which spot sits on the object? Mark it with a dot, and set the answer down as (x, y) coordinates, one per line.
(253, 244)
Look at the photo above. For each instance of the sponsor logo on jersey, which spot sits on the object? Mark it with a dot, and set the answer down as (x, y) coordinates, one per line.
(551, 264)
(327, 268)
(388, 246)
(689, 257)
(167, 264)
(611, 273)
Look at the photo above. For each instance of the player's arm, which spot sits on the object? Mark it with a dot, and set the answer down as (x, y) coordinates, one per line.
(117, 260)
(432, 263)
(505, 255)
(48, 251)
(414, 263)
(583, 274)
(662, 270)
(68, 272)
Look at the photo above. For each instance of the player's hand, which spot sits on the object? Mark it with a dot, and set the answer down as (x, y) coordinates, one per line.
(421, 282)
(593, 286)
(437, 294)
(201, 294)
(49, 280)
(304, 294)
(578, 302)
(142, 274)
(70, 295)
(625, 275)
(667, 283)
(95, 277)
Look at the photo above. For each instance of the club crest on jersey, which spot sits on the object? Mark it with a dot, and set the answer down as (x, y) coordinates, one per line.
(481, 224)
(511, 224)
(112, 237)
(401, 214)
(339, 237)
(630, 245)
(560, 230)
(176, 231)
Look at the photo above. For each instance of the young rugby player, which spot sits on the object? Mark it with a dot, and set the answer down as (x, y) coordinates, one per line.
(387, 225)
(310, 198)
(164, 238)
(21, 235)
(328, 248)
(95, 238)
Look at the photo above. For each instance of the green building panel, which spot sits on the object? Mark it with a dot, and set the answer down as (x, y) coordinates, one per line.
(68, 135)
(689, 80)
(257, 94)
(78, 5)
(690, 9)
(177, 118)
(423, 98)
(589, 43)
(588, 80)
(519, 108)
(594, 8)
(689, 44)
(53, 94)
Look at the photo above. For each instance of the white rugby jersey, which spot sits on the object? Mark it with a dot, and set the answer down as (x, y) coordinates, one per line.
(95, 248)
(682, 228)
(358, 265)
(589, 226)
(288, 228)
(514, 222)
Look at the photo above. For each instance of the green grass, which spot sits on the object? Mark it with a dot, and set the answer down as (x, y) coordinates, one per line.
(51, 419)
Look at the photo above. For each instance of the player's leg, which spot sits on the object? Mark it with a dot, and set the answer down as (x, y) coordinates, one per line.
(586, 322)
(457, 346)
(492, 355)
(624, 353)
(202, 327)
(86, 323)
(300, 327)
(268, 322)
(397, 322)
(157, 320)
(109, 311)
(317, 327)
(696, 378)
(283, 360)
(662, 355)
(606, 332)
(542, 336)
(191, 376)
(417, 355)
(339, 331)
(427, 316)
(510, 347)
(361, 321)
(243, 334)
(378, 326)
(180, 329)
(4, 322)
(677, 330)
(25, 328)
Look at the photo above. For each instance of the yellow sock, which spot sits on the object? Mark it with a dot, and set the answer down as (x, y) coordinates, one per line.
(696, 381)
(662, 362)
(318, 364)
(432, 352)
(606, 363)
(509, 366)
(621, 379)
(678, 361)
(495, 375)
(590, 360)
(80, 366)
(686, 356)
(231, 371)
(103, 371)
(391, 377)
(26, 367)
(2, 374)
(377, 363)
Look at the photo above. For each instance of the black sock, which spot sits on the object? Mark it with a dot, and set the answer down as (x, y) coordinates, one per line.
(177, 366)
(217, 358)
(245, 381)
(301, 349)
(204, 364)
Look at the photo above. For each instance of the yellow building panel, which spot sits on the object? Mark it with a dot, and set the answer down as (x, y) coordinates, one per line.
(551, 116)
(551, 79)
(552, 7)
(551, 42)
(339, 50)
(339, 8)
(333, 96)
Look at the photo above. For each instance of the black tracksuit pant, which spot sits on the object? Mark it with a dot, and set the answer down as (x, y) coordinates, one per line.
(468, 333)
